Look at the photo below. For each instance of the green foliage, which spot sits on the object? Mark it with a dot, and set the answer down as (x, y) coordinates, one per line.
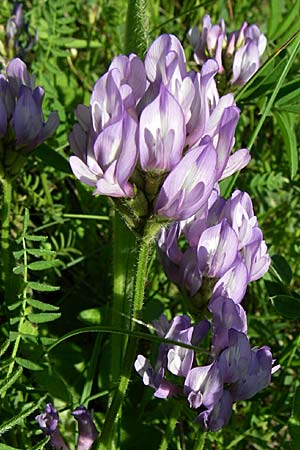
(61, 323)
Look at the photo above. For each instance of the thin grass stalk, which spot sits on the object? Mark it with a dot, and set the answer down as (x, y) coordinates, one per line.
(5, 242)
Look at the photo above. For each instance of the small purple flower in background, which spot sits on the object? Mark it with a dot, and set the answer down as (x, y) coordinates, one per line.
(19, 40)
(87, 429)
(237, 54)
(22, 126)
(48, 422)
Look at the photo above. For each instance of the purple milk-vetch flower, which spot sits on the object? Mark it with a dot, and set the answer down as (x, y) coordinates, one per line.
(217, 417)
(155, 378)
(204, 386)
(176, 359)
(217, 249)
(156, 132)
(16, 31)
(225, 244)
(237, 54)
(22, 126)
(226, 315)
(48, 422)
(87, 430)
(189, 184)
(246, 370)
(162, 133)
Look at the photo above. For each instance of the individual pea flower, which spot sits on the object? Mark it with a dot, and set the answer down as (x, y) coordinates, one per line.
(22, 126)
(226, 315)
(176, 359)
(245, 370)
(87, 430)
(238, 53)
(48, 422)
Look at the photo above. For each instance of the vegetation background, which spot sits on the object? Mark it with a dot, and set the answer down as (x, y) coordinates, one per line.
(68, 234)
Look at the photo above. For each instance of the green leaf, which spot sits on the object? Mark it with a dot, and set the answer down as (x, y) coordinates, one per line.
(43, 317)
(7, 447)
(92, 316)
(27, 364)
(275, 16)
(29, 237)
(43, 265)
(287, 305)
(6, 384)
(26, 411)
(38, 252)
(52, 158)
(80, 43)
(18, 254)
(281, 269)
(294, 421)
(286, 126)
(19, 270)
(42, 287)
(41, 305)
(4, 346)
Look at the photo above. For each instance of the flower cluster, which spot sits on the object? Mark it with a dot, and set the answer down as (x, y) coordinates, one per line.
(157, 131)
(48, 422)
(234, 371)
(22, 126)
(19, 40)
(225, 247)
(237, 54)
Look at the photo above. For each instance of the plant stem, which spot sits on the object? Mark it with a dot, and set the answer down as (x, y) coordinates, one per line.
(140, 281)
(5, 244)
(137, 31)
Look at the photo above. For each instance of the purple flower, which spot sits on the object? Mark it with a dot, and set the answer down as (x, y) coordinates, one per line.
(176, 359)
(155, 378)
(246, 370)
(154, 131)
(217, 417)
(217, 249)
(226, 315)
(162, 133)
(109, 160)
(48, 422)
(237, 54)
(189, 184)
(224, 243)
(17, 30)
(22, 126)
(87, 429)
(204, 386)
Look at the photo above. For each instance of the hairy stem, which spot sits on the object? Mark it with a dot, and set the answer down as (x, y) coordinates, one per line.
(137, 30)
(139, 290)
